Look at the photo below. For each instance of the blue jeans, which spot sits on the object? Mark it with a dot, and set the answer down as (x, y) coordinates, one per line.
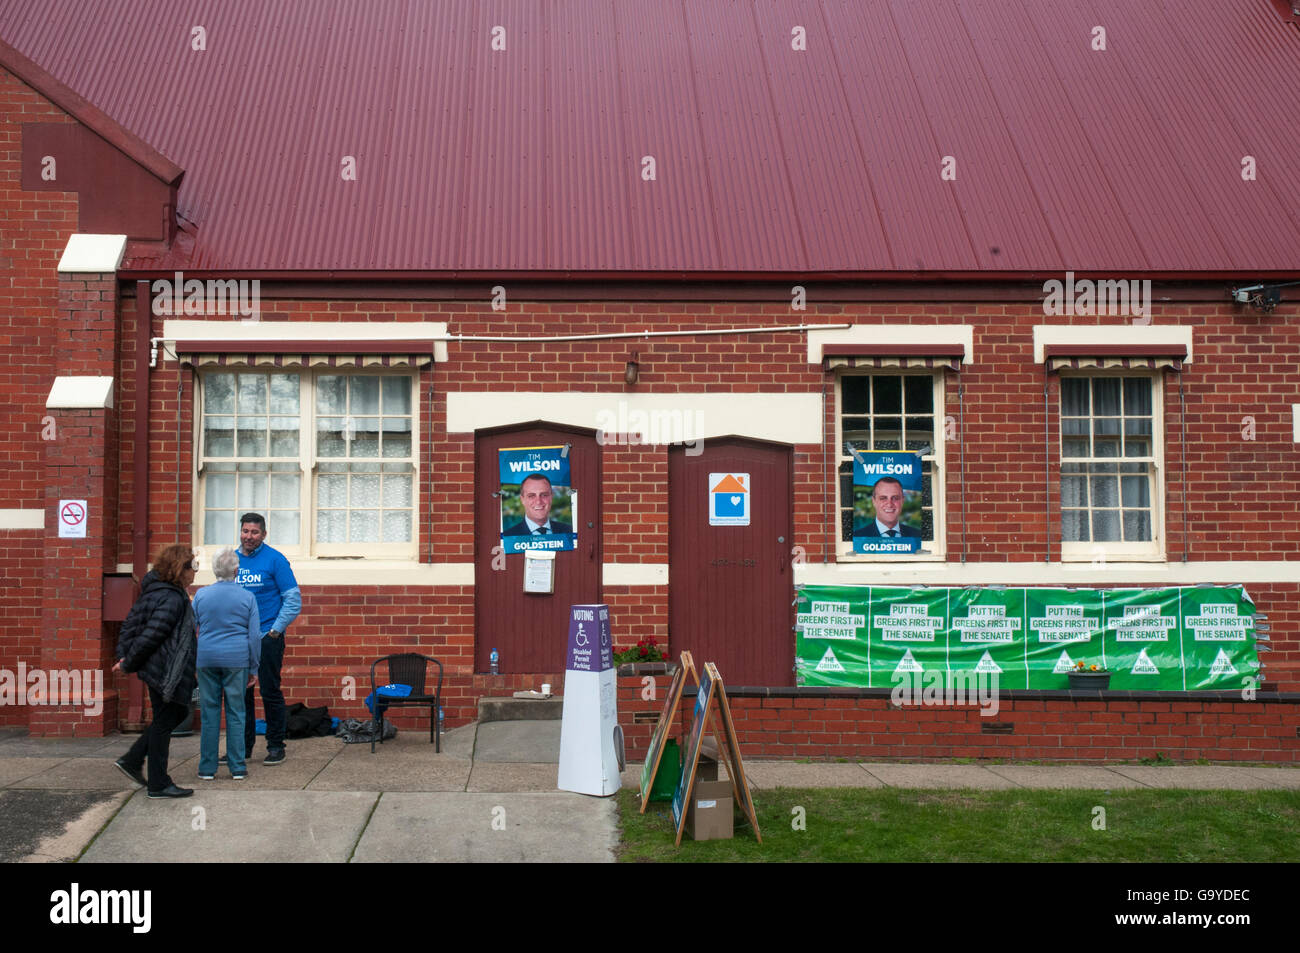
(268, 683)
(216, 684)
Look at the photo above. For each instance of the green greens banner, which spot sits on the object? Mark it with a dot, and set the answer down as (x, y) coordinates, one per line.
(1183, 639)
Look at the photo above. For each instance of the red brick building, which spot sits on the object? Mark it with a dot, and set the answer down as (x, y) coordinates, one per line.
(754, 235)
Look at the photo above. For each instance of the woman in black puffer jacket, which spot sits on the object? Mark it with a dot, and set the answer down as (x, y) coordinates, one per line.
(157, 641)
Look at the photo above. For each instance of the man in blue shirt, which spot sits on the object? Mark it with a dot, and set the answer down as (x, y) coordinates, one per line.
(265, 573)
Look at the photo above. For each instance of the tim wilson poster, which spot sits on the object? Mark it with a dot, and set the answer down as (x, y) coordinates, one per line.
(539, 509)
(886, 502)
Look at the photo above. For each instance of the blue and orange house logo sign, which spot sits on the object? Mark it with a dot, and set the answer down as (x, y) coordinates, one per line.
(729, 499)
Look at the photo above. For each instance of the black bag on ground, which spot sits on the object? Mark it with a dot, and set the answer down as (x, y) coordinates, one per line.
(304, 722)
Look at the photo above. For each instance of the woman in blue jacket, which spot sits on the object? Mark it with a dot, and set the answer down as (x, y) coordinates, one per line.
(157, 642)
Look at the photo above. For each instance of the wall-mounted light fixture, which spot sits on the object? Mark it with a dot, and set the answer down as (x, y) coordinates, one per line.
(632, 371)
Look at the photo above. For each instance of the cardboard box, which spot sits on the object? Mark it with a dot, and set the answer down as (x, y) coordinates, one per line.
(709, 815)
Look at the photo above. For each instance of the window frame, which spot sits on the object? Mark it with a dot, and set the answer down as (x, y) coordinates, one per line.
(308, 464)
(938, 547)
(1093, 551)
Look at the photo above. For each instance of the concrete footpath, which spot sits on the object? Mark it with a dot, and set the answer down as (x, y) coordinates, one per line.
(489, 796)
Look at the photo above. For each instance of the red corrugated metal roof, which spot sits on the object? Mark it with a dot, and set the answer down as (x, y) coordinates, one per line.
(90, 116)
(767, 159)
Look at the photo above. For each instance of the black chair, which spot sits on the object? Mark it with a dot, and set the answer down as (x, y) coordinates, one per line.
(407, 668)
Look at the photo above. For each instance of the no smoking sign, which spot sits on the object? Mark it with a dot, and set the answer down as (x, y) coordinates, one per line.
(72, 519)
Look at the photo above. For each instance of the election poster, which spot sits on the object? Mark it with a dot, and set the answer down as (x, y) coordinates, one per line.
(539, 507)
(886, 502)
(1176, 639)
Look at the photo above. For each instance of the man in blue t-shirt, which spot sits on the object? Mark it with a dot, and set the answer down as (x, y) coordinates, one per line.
(265, 573)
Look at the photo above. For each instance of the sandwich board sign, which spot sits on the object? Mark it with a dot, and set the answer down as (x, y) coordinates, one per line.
(712, 692)
(735, 767)
(591, 740)
(656, 750)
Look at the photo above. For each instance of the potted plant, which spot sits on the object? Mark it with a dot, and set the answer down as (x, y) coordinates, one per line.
(1089, 677)
(647, 650)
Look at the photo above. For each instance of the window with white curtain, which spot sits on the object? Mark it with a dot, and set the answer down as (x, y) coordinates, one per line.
(327, 457)
(1111, 467)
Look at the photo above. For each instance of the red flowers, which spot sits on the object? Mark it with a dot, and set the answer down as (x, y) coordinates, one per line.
(646, 650)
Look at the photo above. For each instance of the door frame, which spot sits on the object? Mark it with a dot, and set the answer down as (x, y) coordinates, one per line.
(482, 561)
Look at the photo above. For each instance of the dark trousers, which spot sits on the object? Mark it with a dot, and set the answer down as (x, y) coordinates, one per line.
(268, 684)
(155, 742)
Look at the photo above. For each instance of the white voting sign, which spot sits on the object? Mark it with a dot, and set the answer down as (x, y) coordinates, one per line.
(591, 741)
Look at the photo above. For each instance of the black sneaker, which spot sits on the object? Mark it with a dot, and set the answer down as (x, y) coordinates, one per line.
(133, 773)
(225, 760)
(274, 756)
(172, 791)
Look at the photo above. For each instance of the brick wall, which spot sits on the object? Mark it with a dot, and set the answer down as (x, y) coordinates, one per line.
(342, 629)
(1056, 726)
(80, 465)
(34, 228)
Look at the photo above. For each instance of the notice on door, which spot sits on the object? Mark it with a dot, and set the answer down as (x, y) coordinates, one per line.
(729, 499)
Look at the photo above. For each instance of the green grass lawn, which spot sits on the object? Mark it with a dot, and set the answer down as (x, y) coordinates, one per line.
(872, 824)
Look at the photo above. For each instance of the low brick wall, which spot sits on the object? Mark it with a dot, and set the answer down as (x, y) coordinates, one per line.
(819, 723)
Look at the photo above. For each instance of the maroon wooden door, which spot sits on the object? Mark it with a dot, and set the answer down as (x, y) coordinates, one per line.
(530, 630)
(730, 588)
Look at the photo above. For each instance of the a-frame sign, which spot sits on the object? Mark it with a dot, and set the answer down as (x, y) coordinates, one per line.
(711, 690)
(656, 750)
(735, 767)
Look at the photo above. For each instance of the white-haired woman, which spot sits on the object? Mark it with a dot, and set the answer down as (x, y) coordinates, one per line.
(230, 649)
